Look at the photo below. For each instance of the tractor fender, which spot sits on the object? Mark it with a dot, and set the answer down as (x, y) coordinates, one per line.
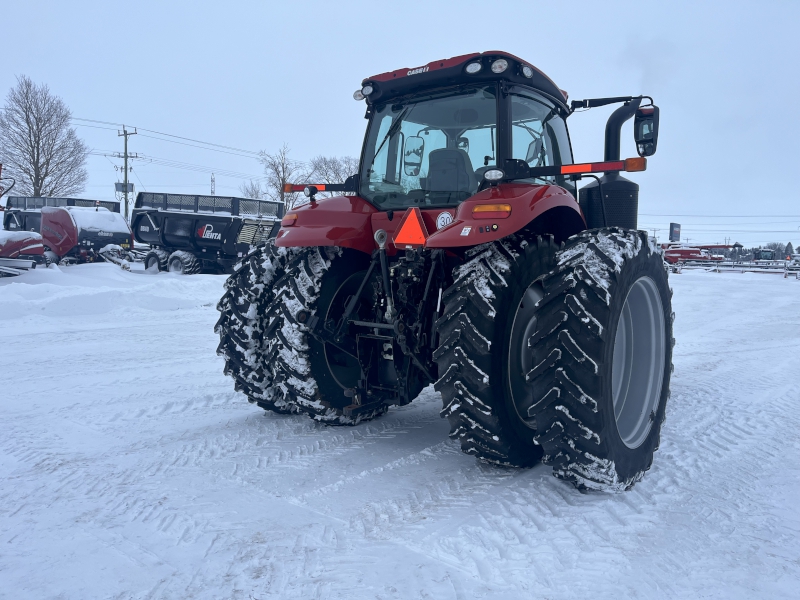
(528, 203)
(344, 221)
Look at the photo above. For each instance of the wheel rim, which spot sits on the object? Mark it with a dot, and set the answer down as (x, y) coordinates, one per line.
(637, 369)
(175, 265)
(152, 262)
(520, 353)
(344, 368)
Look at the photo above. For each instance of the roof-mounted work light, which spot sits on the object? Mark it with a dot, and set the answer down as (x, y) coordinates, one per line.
(473, 67)
(500, 65)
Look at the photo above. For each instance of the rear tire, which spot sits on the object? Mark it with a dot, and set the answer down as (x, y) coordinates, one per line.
(156, 258)
(270, 355)
(183, 263)
(603, 349)
(483, 357)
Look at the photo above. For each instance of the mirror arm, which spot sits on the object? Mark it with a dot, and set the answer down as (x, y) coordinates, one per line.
(595, 102)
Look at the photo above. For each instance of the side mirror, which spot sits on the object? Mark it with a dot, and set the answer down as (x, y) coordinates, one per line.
(534, 150)
(645, 130)
(412, 155)
(463, 144)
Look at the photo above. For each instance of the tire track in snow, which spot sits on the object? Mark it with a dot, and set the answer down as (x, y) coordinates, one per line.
(206, 497)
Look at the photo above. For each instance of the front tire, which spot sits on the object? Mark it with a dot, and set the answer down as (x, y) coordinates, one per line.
(603, 349)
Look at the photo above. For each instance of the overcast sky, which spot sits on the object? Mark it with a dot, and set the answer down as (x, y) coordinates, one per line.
(253, 75)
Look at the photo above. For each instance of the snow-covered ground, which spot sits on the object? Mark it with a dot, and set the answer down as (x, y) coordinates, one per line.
(129, 468)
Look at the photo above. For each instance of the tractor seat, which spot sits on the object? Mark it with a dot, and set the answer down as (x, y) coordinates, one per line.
(450, 171)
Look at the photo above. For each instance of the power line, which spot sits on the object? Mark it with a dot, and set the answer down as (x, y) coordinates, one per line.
(242, 150)
(96, 121)
(152, 137)
(201, 142)
(95, 127)
(199, 168)
(165, 162)
(138, 178)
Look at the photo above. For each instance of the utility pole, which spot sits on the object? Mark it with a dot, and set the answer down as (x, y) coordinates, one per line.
(125, 133)
(212, 184)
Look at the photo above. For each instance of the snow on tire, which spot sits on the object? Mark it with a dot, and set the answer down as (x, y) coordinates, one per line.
(156, 257)
(482, 349)
(267, 351)
(603, 354)
(241, 323)
(183, 262)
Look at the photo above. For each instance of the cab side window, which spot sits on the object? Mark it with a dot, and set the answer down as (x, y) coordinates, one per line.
(539, 136)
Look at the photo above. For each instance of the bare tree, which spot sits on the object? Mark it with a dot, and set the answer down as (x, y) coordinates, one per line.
(252, 189)
(332, 169)
(37, 145)
(281, 170)
(777, 246)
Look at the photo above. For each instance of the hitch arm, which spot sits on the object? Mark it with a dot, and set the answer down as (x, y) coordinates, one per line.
(351, 306)
(325, 336)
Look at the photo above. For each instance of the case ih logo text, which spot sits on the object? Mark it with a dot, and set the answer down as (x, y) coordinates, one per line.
(418, 70)
(207, 232)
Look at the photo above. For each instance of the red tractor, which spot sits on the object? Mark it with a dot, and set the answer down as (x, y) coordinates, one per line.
(460, 257)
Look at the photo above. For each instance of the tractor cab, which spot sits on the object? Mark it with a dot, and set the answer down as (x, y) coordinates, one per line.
(471, 139)
(433, 148)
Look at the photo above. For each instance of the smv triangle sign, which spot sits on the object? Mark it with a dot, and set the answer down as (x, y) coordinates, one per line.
(411, 232)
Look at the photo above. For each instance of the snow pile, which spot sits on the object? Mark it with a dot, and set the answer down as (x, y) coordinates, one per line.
(130, 468)
(98, 219)
(18, 236)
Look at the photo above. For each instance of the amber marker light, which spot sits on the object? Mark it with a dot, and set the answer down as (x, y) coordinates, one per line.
(629, 164)
(635, 164)
(289, 220)
(491, 211)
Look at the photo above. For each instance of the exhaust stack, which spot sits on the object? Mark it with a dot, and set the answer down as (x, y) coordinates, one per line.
(619, 195)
